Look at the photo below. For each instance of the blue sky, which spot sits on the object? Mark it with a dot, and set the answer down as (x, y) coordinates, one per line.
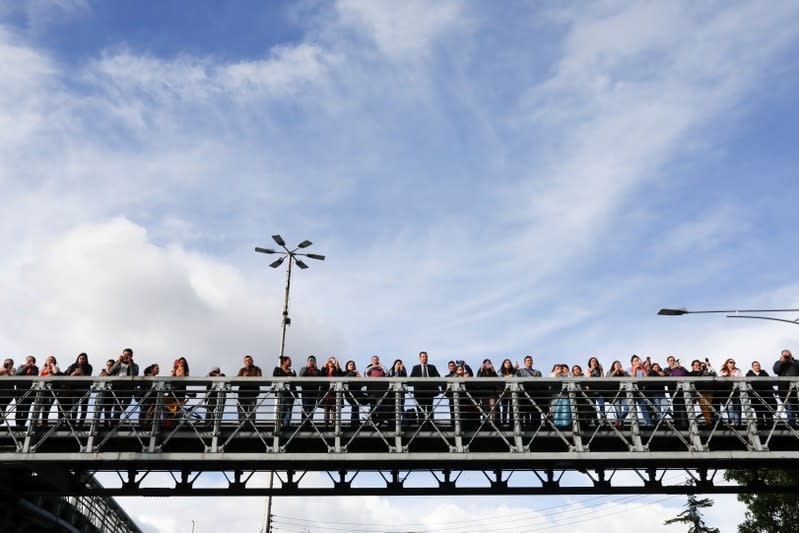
(484, 180)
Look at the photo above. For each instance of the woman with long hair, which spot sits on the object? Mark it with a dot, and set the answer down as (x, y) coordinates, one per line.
(332, 369)
(506, 370)
(620, 404)
(180, 369)
(48, 397)
(488, 395)
(728, 394)
(76, 400)
(594, 370)
(355, 396)
(396, 400)
(285, 398)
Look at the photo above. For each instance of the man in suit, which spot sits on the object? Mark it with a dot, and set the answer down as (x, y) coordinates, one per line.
(423, 392)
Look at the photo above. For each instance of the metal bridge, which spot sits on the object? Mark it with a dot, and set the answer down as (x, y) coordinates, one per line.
(392, 436)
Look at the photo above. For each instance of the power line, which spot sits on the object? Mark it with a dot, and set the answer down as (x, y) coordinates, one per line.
(467, 526)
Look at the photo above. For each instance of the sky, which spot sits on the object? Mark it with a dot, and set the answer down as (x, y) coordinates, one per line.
(485, 180)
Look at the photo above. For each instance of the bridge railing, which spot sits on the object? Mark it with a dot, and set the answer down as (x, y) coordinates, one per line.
(393, 415)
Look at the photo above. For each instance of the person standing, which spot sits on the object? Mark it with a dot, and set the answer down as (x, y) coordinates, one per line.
(425, 393)
(248, 393)
(124, 366)
(487, 394)
(507, 371)
(214, 398)
(6, 391)
(639, 371)
(47, 396)
(678, 396)
(705, 394)
(310, 391)
(147, 398)
(76, 398)
(763, 400)
(532, 396)
(376, 392)
(332, 369)
(354, 394)
(104, 401)
(595, 370)
(787, 366)
(285, 398)
(25, 398)
(730, 397)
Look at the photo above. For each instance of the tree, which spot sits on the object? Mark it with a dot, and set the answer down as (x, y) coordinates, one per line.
(693, 515)
(768, 512)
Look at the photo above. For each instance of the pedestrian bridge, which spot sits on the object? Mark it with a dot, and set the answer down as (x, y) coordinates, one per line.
(348, 436)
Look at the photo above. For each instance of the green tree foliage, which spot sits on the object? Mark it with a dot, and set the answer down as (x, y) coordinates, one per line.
(768, 513)
(693, 515)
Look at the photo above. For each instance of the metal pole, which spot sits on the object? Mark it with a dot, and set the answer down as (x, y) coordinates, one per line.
(286, 322)
(286, 308)
(268, 517)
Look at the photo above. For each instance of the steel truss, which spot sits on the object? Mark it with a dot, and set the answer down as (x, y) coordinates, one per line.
(212, 436)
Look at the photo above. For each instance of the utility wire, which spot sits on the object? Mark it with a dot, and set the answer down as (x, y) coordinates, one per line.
(467, 526)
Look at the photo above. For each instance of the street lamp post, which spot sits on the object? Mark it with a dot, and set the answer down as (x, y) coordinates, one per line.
(732, 313)
(293, 259)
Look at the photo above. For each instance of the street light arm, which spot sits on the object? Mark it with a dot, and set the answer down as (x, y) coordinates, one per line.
(264, 250)
(766, 318)
(679, 311)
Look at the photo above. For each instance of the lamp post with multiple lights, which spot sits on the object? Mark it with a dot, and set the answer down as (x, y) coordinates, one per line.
(293, 257)
(733, 313)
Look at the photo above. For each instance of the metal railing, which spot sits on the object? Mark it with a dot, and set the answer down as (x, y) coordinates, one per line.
(226, 424)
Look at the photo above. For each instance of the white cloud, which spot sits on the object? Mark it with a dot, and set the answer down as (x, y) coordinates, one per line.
(101, 287)
(288, 70)
(401, 30)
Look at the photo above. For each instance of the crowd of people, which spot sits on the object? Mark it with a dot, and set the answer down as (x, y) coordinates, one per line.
(537, 404)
